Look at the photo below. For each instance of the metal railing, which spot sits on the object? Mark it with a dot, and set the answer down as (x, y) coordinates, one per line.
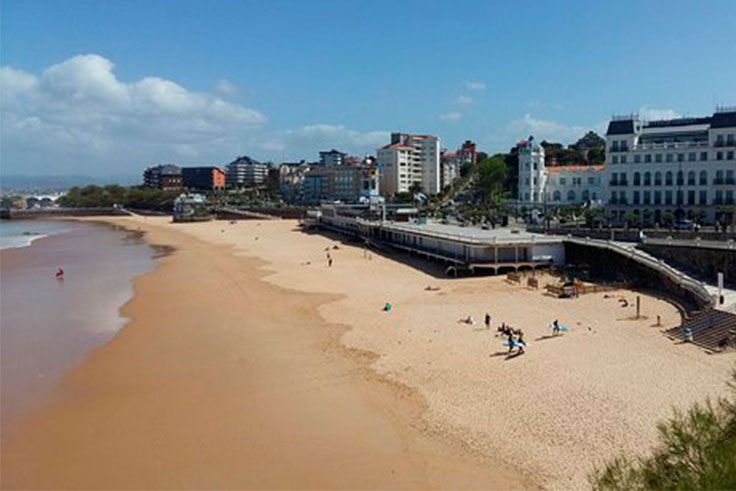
(697, 288)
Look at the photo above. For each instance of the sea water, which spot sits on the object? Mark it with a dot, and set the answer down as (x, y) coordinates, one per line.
(22, 233)
(48, 325)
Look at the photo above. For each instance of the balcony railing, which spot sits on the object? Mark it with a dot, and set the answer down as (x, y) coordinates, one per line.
(718, 182)
(668, 145)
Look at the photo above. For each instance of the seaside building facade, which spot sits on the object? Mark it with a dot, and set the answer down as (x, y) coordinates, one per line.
(204, 178)
(682, 168)
(291, 178)
(246, 172)
(164, 177)
(575, 184)
(346, 184)
(332, 157)
(409, 160)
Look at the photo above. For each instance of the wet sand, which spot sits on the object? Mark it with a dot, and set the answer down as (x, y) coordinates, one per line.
(224, 381)
(49, 325)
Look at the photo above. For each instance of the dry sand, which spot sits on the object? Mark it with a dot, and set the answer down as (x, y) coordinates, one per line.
(223, 380)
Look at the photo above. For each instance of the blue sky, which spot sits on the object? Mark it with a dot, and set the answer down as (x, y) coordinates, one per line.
(110, 87)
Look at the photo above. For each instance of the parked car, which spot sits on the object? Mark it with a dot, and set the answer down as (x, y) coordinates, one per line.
(684, 225)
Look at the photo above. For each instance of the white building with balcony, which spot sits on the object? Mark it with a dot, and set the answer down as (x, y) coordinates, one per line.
(684, 168)
(559, 185)
(410, 159)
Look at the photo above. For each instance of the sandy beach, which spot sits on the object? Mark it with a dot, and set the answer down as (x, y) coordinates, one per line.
(250, 363)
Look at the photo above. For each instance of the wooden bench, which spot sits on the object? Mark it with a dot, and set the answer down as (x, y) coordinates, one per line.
(532, 282)
(513, 278)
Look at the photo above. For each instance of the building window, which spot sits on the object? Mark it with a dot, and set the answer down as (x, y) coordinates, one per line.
(691, 156)
(648, 158)
(658, 158)
(719, 177)
(613, 198)
(703, 155)
(637, 179)
(719, 155)
(703, 178)
(680, 180)
(668, 197)
(657, 178)
(668, 178)
(691, 178)
(729, 155)
(703, 198)
(730, 140)
(586, 195)
(591, 180)
(647, 179)
(614, 159)
(680, 157)
(719, 197)
(636, 198)
(657, 197)
(729, 197)
(623, 159)
(719, 140)
(647, 197)
(624, 182)
(679, 197)
(669, 157)
(563, 181)
(622, 197)
(570, 196)
(637, 159)
(556, 196)
(691, 197)
(729, 176)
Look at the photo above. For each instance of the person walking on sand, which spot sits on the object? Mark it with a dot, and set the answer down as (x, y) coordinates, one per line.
(329, 262)
(555, 328)
(488, 320)
(520, 343)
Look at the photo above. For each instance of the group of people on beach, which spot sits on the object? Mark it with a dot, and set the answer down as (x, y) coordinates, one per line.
(514, 337)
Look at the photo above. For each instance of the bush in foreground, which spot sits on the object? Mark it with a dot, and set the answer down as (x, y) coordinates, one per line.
(696, 450)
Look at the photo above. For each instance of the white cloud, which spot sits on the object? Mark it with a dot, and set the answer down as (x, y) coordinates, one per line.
(76, 116)
(321, 136)
(651, 114)
(451, 116)
(544, 130)
(476, 85)
(464, 100)
(225, 87)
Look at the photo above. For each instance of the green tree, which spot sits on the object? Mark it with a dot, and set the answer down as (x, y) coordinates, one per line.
(491, 176)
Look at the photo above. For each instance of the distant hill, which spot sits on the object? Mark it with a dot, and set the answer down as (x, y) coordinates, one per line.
(22, 183)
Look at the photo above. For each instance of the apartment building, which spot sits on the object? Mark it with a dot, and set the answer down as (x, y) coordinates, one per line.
(203, 178)
(407, 160)
(333, 157)
(246, 172)
(164, 177)
(681, 168)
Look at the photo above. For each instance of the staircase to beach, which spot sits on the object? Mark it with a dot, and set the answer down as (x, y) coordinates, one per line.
(708, 329)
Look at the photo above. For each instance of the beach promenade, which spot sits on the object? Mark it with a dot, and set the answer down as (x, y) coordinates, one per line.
(249, 362)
